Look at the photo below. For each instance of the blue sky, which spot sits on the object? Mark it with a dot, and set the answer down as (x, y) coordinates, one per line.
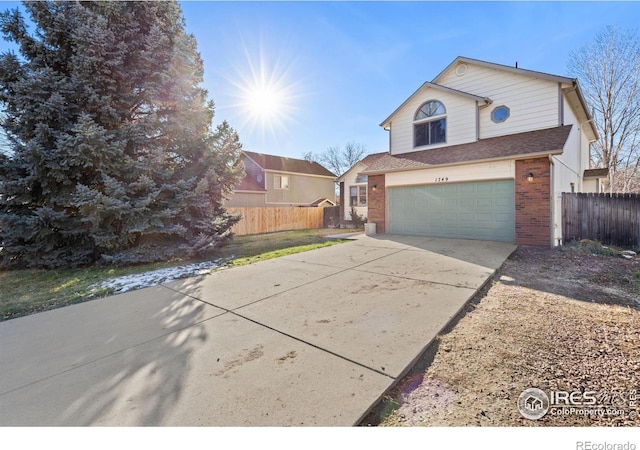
(294, 77)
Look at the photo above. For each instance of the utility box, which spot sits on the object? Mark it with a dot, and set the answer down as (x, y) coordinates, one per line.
(369, 229)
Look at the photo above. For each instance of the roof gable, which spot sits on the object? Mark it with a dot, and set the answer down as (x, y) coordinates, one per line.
(570, 87)
(516, 70)
(362, 164)
(284, 164)
(438, 87)
(249, 184)
(571, 90)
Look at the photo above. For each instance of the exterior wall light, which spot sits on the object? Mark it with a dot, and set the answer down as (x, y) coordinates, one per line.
(530, 177)
(375, 188)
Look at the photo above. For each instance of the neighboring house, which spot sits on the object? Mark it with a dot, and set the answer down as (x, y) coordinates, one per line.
(278, 181)
(593, 179)
(353, 188)
(484, 151)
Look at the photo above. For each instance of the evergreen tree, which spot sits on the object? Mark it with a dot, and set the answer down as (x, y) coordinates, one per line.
(113, 156)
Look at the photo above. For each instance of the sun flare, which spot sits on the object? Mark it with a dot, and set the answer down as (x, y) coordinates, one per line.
(264, 101)
(266, 95)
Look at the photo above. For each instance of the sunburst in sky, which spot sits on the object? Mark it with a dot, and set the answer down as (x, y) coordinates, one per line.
(265, 97)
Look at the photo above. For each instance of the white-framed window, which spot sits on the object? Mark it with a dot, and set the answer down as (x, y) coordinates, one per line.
(281, 182)
(358, 195)
(430, 124)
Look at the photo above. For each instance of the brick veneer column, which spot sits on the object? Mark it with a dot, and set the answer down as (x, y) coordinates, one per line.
(376, 202)
(533, 202)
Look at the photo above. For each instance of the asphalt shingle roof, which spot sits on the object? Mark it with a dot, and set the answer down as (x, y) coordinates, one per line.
(283, 164)
(370, 159)
(547, 141)
(596, 173)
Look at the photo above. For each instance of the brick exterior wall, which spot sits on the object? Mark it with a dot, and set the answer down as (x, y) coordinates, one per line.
(377, 202)
(533, 202)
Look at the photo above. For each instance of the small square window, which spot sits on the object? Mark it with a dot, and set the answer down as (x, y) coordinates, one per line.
(281, 182)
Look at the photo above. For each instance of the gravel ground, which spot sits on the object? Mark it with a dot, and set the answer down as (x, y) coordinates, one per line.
(554, 319)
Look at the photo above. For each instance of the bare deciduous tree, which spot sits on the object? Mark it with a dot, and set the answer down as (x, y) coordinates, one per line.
(339, 160)
(608, 69)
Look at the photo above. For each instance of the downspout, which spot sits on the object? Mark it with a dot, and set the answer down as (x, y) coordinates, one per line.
(477, 121)
(581, 170)
(478, 108)
(553, 203)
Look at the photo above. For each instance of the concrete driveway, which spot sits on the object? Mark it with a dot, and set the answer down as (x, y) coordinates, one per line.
(308, 339)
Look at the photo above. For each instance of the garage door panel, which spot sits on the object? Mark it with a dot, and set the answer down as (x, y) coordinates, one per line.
(484, 189)
(480, 210)
(504, 201)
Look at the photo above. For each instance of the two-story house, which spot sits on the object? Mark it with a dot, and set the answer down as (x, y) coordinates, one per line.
(272, 180)
(483, 151)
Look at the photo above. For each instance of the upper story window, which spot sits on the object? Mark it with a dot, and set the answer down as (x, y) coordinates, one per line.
(500, 114)
(361, 179)
(430, 124)
(281, 181)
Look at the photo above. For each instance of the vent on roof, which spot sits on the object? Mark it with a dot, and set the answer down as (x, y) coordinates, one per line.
(461, 69)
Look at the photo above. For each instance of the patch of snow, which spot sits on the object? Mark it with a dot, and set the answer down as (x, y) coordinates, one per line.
(155, 277)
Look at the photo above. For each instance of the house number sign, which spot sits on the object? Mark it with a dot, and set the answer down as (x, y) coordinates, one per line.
(442, 179)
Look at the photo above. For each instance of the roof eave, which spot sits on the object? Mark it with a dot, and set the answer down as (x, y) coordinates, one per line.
(342, 177)
(432, 85)
(460, 163)
(490, 65)
(576, 99)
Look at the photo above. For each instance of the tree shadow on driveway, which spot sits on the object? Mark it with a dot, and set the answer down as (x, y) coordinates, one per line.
(118, 361)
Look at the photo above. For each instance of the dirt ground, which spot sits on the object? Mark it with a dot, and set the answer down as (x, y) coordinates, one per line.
(555, 319)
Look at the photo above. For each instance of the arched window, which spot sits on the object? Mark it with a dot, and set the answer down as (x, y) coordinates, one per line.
(430, 124)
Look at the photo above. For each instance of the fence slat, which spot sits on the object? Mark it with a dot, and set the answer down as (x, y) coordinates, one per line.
(610, 219)
(268, 220)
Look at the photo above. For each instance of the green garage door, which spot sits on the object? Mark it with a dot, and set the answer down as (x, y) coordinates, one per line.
(482, 210)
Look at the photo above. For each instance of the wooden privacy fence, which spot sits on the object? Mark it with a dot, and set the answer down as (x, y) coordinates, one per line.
(267, 220)
(331, 216)
(613, 219)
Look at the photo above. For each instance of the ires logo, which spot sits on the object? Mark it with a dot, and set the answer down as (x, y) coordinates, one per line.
(534, 403)
(576, 398)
